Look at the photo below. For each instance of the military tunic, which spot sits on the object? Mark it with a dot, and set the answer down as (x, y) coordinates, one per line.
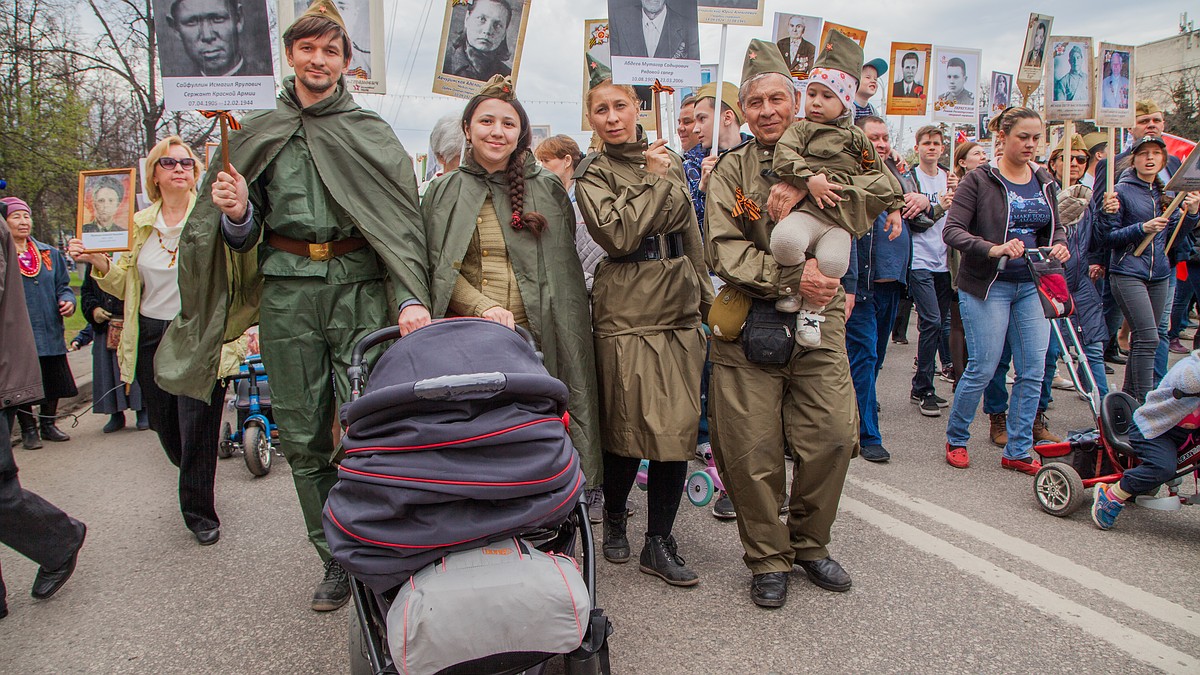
(809, 401)
(647, 316)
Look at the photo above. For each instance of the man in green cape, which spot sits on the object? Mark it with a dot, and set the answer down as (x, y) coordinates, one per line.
(316, 211)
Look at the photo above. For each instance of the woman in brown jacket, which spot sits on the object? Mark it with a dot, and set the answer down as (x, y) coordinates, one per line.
(647, 300)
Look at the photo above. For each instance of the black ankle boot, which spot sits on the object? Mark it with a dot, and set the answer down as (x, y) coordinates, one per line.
(616, 544)
(661, 558)
(116, 422)
(50, 432)
(29, 430)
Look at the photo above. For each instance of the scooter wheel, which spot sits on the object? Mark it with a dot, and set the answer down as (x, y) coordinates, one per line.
(225, 447)
(700, 488)
(257, 450)
(1058, 489)
(643, 475)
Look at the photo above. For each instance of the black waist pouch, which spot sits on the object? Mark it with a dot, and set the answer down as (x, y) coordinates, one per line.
(769, 335)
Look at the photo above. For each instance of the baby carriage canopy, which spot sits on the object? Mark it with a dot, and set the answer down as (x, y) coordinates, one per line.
(460, 439)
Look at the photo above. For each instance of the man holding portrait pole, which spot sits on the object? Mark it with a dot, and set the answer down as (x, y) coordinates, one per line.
(316, 212)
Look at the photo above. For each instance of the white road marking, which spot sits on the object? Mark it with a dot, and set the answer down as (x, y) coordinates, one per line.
(1161, 609)
(1138, 645)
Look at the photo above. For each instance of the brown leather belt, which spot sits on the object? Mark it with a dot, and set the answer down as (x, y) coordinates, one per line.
(317, 252)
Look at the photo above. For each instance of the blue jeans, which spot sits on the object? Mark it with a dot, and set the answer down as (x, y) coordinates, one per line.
(932, 294)
(889, 299)
(1160, 459)
(1012, 311)
(1095, 356)
(869, 327)
(995, 397)
(1163, 351)
(1185, 291)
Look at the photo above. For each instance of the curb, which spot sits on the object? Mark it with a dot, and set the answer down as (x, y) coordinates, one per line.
(83, 382)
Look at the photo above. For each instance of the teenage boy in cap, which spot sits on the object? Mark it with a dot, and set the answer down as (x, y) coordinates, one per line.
(809, 399)
(868, 84)
(316, 213)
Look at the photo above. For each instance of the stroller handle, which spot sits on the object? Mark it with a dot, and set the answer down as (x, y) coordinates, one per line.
(356, 372)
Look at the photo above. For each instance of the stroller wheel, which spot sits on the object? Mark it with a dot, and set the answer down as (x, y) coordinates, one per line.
(257, 450)
(1058, 489)
(700, 488)
(225, 446)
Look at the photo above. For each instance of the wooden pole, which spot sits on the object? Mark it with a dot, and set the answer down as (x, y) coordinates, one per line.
(716, 134)
(658, 128)
(1110, 154)
(1068, 132)
(225, 144)
(1166, 214)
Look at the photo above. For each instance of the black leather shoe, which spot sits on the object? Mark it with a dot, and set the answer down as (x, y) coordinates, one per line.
(769, 589)
(208, 537)
(53, 434)
(30, 440)
(334, 589)
(47, 583)
(660, 557)
(874, 453)
(615, 545)
(827, 574)
(1113, 355)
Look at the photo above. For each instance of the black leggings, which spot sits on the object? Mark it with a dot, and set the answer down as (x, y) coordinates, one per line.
(664, 490)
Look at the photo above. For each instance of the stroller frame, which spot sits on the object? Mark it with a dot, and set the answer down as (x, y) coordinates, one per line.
(369, 617)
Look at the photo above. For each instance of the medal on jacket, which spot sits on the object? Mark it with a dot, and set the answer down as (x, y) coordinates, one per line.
(29, 261)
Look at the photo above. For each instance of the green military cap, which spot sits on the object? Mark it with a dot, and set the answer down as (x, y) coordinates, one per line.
(763, 57)
(729, 96)
(840, 53)
(1076, 144)
(500, 87)
(1090, 141)
(598, 71)
(325, 9)
(1146, 107)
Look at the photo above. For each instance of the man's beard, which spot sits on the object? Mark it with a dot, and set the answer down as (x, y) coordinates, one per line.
(316, 88)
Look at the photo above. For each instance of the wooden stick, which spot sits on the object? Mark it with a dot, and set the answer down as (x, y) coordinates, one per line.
(1068, 132)
(1110, 153)
(658, 128)
(225, 144)
(1166, 214)
(716, 134)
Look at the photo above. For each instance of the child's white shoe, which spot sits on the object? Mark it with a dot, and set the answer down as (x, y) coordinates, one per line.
(808, 328)
(788, 304)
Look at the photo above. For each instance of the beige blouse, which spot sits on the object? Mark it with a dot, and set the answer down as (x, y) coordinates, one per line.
(485, 277)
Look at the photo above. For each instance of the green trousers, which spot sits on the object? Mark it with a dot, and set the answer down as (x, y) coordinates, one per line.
(752, 408)
(307, 332)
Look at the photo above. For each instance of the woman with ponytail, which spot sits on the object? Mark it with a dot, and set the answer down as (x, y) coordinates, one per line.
(501, 238)
(647, 302)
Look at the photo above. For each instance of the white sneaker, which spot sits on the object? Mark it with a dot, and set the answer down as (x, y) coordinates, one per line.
(1063, 383)
(788, 304)
(808, 328)
(703, 450)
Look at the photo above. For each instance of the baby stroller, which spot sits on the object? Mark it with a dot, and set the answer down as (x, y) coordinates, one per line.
(457, 458)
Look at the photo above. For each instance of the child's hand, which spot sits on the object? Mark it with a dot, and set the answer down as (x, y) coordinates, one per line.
(822, 192)
(1111, 203)
(1155, 225)
(894, 225)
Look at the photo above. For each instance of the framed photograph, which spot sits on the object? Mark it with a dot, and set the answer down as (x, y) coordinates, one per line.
(597, 41)
(104, 218)
(215, 55)
(1115, 84)
(1069, 78)
(797, 36)
(1187, 178)
(955, 81)
(479, 39)
(1033, 52)
(655, 40)
(364, 19)
(732, 12)
(909, 69)
(857, 34)
(984, 134)
(1000, 93)
(538, 133)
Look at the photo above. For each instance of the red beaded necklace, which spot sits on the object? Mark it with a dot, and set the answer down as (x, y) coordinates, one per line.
(29, 261)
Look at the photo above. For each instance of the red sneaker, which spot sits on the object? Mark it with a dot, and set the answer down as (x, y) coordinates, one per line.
(957, 457)
(1027, 465)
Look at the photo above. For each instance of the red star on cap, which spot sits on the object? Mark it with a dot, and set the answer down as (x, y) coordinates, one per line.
(753, 55)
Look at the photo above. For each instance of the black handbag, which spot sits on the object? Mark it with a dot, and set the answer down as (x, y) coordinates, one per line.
(768, 337)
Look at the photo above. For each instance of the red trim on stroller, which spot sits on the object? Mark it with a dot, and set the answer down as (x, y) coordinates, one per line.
(406, 448)
(459, 482)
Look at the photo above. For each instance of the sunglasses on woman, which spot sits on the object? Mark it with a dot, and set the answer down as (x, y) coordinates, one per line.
(170, 162)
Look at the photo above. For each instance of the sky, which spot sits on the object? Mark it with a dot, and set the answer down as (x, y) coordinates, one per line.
(550, 78)
(552, 61)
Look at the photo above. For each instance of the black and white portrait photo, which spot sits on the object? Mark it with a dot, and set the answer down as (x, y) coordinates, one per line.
(597, 39)
(955, 78)
(659, 29)
(104, 219)
(213, 38)
(797, 36)
(1001, 90)
(480, 38)
(1069, 78)
(1033, 51)
(909, 80)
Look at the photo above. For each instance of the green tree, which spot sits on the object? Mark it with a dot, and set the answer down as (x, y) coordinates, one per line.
(1184, 117)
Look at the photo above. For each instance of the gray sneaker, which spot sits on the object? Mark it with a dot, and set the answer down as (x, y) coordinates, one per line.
(723, 508)
(595, 504)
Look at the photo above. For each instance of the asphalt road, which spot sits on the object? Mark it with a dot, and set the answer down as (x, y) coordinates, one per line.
(954, 571)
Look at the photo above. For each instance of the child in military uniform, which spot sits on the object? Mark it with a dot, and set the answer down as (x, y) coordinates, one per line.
(846, 184)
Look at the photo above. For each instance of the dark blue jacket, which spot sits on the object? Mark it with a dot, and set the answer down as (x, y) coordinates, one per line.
(1089, 313)
(42, 295)
(1121, 232)
(1099, 254)
(873, 256)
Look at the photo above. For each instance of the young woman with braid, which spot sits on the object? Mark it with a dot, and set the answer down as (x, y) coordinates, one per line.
(501, 242)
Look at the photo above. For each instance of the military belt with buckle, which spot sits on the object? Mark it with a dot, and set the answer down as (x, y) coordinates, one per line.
(656, 247)
(316, 252)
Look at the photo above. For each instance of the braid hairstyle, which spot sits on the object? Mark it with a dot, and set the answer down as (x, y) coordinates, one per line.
(516, 167)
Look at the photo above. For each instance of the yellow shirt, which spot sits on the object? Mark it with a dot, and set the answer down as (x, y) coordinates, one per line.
(485, 278)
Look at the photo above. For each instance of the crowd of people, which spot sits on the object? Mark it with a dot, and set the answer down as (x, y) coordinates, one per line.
(671, 292)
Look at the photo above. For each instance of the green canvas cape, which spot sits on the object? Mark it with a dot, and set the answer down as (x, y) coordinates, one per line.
(367, 172)
(548, 272)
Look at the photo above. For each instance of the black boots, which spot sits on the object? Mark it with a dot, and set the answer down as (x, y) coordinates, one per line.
(49, 431)
(616, 544)
(661, 558)
(29, 432)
